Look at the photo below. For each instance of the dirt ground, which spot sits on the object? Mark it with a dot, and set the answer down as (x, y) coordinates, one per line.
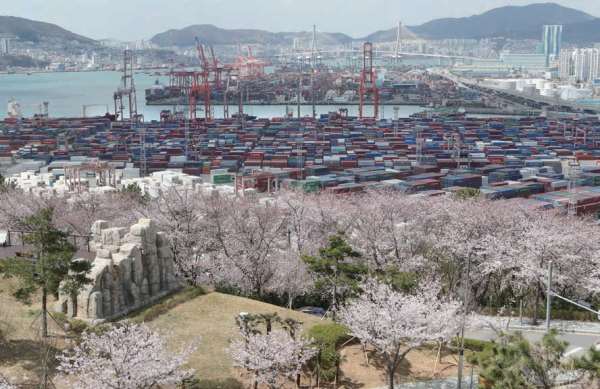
(367, 369)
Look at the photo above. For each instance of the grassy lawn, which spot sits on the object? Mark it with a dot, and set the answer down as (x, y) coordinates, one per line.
(17, 353)
(212, 318)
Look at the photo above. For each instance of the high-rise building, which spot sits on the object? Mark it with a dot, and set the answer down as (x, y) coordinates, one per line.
(594, 65)
(552, 39)
(565, 64)
(4, 46)
(582, 64)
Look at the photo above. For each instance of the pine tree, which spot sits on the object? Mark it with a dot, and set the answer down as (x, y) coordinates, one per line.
(335, 268)
(522, 364)
(50, 268)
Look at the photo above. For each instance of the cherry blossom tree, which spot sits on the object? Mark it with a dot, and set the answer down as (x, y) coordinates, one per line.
(394, 323)
(7, 383)
(569, 242)
(251, 244)
(274, 357)
(393, 229)
(180, 213)
(129, 356)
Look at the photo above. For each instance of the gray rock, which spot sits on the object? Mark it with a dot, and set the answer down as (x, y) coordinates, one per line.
(132, 268)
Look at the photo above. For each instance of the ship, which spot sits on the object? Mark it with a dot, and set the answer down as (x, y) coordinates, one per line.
(244, 115)
(15, 112)
(159, 94)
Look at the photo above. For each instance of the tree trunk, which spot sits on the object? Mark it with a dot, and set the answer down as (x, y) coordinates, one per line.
(318, 367)
(391, 378)
(535, 306)
(438, 356)
(298, 377)
(334, 302)
(44, 317)
(268, 328)
(521, 311)
(337, 374)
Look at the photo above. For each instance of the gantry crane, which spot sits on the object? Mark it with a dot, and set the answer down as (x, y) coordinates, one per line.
(201, 87)
(126, 90)
(367, 81)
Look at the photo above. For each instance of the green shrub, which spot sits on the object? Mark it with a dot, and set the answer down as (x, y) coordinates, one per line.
(61, 318)
(78, 326)
(6, 328)
(73, 325)
(165, 304)
(310, 298)
(472, 344)
(195, 383)
(329, 337)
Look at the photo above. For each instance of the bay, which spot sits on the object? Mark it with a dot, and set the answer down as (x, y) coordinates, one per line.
(67, 92)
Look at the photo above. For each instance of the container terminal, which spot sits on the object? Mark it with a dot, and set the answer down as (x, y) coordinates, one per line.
(531, 160)
(534, 161)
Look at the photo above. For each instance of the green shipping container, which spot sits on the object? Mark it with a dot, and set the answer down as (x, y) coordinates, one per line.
(220, 178)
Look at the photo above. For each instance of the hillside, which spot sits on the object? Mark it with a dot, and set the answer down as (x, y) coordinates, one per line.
(518, 22)
(34, 31)
(211, 35)
(389, 35)
(22, 61)
(211, 317)
(586, 32)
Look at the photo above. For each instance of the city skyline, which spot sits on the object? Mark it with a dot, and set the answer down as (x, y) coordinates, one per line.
(135, 20)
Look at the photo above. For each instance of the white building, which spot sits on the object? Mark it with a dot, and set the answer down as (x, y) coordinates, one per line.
(4, 46)
(565, 64)
(582, 64)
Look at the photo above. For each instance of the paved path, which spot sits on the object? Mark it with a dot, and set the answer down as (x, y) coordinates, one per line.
(578, 343)
(449, 383)
(580, 335)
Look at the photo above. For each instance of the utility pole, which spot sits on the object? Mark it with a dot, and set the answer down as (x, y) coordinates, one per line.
(396, 109)
(549, 297)
(462, 336)
(312, 90)
(143, 150)
(299, 94)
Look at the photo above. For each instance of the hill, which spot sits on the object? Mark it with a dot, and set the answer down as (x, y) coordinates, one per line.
(211, 35)
(586, 32)
(212, 317)
(34, 31)
(518, 22)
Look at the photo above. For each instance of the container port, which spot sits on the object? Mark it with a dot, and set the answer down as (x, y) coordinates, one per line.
(525, 159)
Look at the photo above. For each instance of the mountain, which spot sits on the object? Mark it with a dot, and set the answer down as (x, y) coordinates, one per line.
(34, 31)
(389, 35)
(211, 35)
(586, 32)
(518, 22)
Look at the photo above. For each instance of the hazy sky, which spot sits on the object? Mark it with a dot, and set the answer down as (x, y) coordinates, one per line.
(141, 19)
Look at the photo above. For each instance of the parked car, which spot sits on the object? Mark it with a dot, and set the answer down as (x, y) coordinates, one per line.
(315, 311)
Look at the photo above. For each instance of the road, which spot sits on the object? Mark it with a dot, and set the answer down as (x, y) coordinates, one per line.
(578, 343)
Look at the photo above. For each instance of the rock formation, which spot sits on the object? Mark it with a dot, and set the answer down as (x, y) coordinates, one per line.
(132, 269)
